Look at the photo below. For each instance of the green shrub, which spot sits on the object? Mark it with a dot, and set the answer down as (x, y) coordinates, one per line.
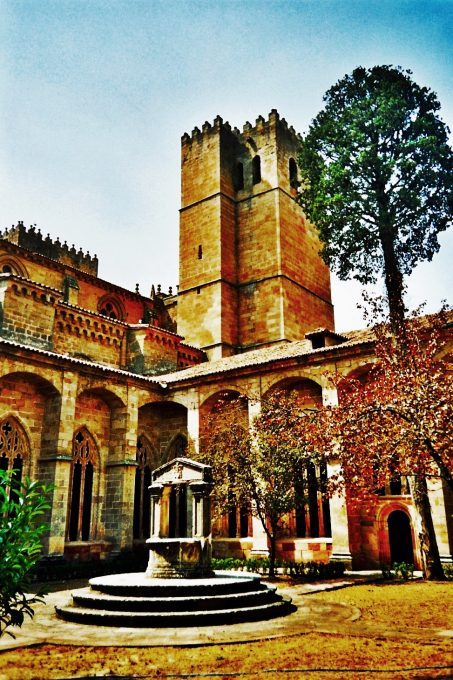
(22, 505)
(403, 570)
(448, 570)
(309, 571)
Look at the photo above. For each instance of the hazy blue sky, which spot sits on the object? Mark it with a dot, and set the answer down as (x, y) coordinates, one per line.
(95, 95)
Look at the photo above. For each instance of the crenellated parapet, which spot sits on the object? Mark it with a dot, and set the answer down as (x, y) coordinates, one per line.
(32, 239)
(262, 126)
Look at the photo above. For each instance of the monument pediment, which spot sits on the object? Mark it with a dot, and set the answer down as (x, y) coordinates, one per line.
(182, 470)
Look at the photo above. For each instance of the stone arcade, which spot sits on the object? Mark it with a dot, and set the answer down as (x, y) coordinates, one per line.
(100, 385)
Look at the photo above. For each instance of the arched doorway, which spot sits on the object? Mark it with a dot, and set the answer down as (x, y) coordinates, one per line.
(400, 537)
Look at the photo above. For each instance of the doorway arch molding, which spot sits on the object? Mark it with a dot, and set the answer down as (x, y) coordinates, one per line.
(385, 511)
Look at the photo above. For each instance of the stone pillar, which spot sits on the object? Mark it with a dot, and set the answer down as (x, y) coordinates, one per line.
(329, 396)
(55, 466)
(441, 500)
(193, 426)
(120, 472)
(201, 492)
(259, 544)
(155, 491)
(339, 522)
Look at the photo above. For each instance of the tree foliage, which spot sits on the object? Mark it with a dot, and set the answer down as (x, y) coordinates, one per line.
(256, 467)
(398, 421)
(22, 504)
(377, 177)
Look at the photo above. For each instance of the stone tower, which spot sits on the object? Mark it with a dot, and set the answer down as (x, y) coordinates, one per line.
(250, 273)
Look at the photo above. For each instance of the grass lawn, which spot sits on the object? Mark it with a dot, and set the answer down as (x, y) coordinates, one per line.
(397, 636)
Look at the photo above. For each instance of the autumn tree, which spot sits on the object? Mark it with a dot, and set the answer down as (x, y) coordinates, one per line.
(399, 421)
(257, 466)
(377, 178)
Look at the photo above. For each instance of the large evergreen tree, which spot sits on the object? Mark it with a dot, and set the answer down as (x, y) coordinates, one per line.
(377, 178)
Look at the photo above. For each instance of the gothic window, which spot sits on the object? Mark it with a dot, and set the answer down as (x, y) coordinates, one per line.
(14, 449)
(142, 504)
(238, 521)
(84, 455)
(238, 176)
(312, 516)
(256, 170)
(177, 448)
(111, 308)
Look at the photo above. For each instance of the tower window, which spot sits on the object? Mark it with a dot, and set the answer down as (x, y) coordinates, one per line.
(238, 176)
(292, 166)
(256, 170)
(200, 252)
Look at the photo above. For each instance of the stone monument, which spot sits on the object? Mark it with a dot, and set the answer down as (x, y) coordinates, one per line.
(180, 542)
(179, 587)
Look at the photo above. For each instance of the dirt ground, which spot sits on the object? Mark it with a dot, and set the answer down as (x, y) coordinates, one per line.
(402, 633)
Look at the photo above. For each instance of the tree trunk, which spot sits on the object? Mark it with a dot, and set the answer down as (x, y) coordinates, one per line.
(393, 281)
(432, 566)
(272, 542)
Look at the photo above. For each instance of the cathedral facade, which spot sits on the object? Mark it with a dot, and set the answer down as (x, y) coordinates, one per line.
(100, 385)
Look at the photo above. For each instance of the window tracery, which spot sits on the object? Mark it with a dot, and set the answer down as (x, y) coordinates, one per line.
(14, 447)
(111, 308)
(84, 456)
(142, 503)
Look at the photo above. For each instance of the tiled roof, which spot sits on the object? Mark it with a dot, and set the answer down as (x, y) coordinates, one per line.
(80, 362)
(264, 355)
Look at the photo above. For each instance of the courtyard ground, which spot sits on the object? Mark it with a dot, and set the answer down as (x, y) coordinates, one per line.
(388, 631)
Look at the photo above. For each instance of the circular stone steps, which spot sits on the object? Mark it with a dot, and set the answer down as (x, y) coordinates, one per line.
(133, 600)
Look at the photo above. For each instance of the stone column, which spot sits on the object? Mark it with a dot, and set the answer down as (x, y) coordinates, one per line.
(339, 522)
(193, 425)
(120, 471)
(55, 465)
(155, 491)
(338, 510)
(259, 544)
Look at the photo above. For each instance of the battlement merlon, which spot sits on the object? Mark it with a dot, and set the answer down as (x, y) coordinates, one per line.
(32, 239)
(261, 126)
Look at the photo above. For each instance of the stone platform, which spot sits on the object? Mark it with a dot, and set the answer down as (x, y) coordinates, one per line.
(136, 600)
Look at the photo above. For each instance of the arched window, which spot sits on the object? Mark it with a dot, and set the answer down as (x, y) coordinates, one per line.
(312, 509)
(111, 308)
(84, 457)
(14, 449)
(238, 176)
(177, 448)
(292, 168)
(256, 170)
(9, 265)
(142, 507)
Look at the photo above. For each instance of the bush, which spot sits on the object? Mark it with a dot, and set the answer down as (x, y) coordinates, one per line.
(21, 506)
(401, 570)
(309, 571)
(448, 570)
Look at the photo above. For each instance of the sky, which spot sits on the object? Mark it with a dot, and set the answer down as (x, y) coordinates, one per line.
(96, 94)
